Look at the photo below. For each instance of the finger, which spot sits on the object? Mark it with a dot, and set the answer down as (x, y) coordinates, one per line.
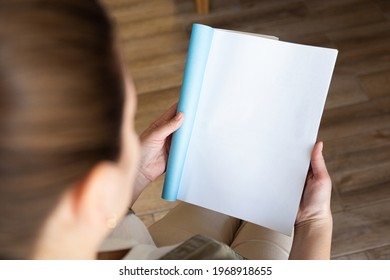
(317, 161)
(167, 128)
(168, 115)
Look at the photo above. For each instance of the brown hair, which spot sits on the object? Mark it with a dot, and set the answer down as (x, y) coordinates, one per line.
(61, 99)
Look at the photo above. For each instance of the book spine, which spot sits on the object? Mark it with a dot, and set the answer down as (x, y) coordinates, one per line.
(198, 51)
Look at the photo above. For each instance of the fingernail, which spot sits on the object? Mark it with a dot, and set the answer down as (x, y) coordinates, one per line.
(178, 116)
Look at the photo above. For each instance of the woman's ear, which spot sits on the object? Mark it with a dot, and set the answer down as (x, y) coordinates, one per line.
(84, 215)
(99, 199)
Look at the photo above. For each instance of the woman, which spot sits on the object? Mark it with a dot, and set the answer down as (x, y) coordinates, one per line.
(71, 162)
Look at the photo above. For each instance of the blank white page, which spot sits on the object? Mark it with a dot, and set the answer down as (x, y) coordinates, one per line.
(257, 121)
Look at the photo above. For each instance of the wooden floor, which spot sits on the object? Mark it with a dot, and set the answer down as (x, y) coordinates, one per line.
(355, 124)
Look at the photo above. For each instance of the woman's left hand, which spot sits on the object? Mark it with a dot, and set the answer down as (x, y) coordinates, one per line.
(155, 145)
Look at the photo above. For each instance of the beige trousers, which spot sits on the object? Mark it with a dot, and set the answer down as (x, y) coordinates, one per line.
(249, 240)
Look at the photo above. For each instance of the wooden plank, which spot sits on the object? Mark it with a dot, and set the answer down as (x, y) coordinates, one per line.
(376, 84)
(157, 61)
(266, 14)
(354, 179)
(371, 140)
(152, 105)
(363, 49)
(344, 90)
(157, 73)
(354, 256)
(361, 229)
(324, 23)
(335, 202)
(342, 148)
(359, 159)
(150, 47)
(385, 7)
(360, 37)
(125, 11)
(355, 119)
(158, 77)
(359, 170)
(319, 40)
(372, 108)
(369, 195)
(369, 61)
(154, 26)
(330, 6)
(356, 126)
(381, 253)
(362, 46)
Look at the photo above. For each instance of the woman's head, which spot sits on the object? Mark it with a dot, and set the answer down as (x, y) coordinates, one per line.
(62, 92)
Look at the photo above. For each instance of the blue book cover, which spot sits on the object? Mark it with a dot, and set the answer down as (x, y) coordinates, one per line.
(198, 52)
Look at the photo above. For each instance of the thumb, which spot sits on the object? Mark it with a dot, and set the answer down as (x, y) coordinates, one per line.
(317, 161)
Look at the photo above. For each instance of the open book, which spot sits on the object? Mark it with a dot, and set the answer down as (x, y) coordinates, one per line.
(252, 108)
